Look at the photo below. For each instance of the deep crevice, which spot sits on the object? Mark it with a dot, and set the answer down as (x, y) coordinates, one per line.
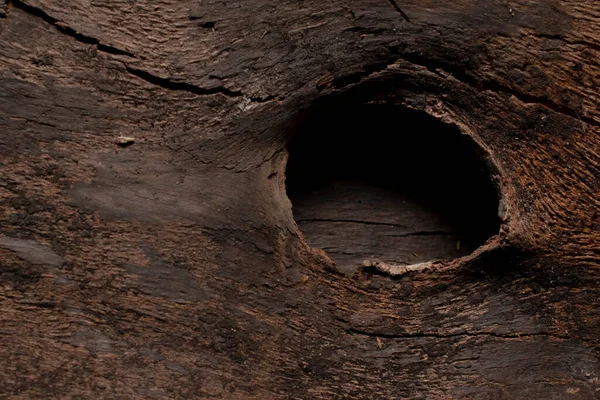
(390, 183)
(80, 37)
(188, 87)
(144, 75)
(399, 10)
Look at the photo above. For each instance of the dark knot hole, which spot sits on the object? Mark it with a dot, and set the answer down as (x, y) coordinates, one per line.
(386, 182)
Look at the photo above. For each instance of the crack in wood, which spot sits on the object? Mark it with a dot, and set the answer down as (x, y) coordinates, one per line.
(483, 86)
(188, 87)
(351, 221)
(144, 75)
(431, 335)
(67, 30)
(435, 68)
(399, 10)
(394, 269)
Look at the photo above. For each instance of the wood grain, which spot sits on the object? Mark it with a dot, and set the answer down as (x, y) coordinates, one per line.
(182, 271)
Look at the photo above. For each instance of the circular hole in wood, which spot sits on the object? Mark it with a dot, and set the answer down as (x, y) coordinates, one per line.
(385, 182)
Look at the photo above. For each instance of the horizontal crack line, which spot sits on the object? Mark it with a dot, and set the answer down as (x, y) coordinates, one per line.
(399, 10)
(61, 27)
(188, 87)
(172, 85)
(144, 75)
(498, 88)
(491, 86)
(457, 334)
(354, 221)
(351, 221)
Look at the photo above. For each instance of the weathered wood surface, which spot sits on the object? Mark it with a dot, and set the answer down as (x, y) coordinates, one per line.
(172, 268)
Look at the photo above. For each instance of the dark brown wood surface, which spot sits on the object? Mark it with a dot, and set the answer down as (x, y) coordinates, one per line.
(172, 267)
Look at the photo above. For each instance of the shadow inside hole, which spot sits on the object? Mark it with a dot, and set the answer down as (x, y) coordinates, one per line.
(390, 183)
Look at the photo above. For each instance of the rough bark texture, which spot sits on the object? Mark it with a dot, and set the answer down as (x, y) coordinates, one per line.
(173, 268)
